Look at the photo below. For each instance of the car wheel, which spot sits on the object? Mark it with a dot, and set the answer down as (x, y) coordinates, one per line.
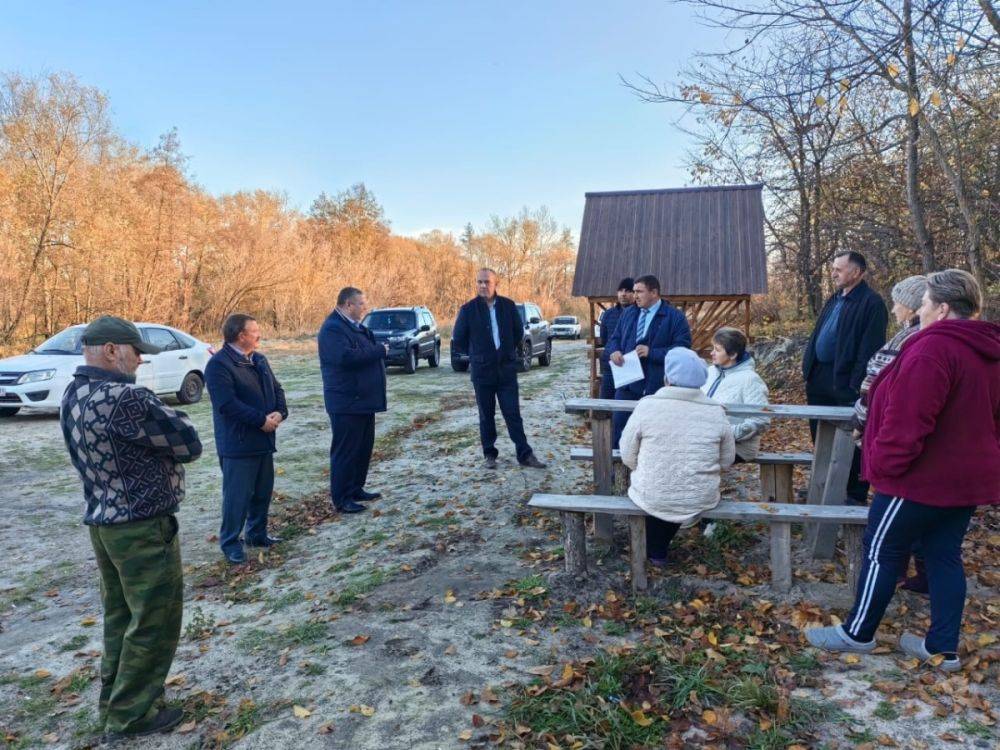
(545, 359)
(526, 356)
(435, 359)
(191, 389)
(9, 411)
(410, 366)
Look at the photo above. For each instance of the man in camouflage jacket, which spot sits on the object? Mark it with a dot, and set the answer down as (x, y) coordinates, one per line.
(128, 447)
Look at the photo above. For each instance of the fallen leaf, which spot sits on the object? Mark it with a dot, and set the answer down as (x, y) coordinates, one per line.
(300, 712)
(42, 674)
(986, 639)
(186, 727)
(177, 679)
(360, 640)
(88, 622)
(709, 716)
(449, 597)
(325, 728)
(465, 735)
(51, 738)
(543, 670)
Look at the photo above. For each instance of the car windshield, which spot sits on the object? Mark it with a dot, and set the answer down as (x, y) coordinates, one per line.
(64, 342)
(565, 320)
(520, 311)
(391, 320)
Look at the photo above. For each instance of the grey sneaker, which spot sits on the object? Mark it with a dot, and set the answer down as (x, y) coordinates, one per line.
(913, 645)
(835, 639)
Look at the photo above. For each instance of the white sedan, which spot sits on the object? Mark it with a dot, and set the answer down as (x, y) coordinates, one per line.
(38, 379)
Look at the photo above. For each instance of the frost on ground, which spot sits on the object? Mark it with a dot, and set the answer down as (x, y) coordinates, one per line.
(441, 617)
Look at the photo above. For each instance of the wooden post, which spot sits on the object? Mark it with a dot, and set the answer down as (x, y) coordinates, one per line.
(781, 556)
(768, 491)
(592, 338)
(604, 472)
(574, 543)
(822, 450)
(853, 550)
(834, 490)
(783, 492)
(637, 551)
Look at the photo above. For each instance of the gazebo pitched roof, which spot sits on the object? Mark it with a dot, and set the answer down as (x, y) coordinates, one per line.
(700, 241)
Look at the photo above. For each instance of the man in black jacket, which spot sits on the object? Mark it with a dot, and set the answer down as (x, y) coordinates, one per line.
(248, 405)
(490, 330)
(353, 367)
(606, 327)
(850, 329)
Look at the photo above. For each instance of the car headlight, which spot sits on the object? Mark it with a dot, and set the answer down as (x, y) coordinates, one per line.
(36, 376)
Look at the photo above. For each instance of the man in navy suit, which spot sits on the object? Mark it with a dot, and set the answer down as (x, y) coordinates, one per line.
(651, 327)
(353, 367)
(248, 405)
(490, 330)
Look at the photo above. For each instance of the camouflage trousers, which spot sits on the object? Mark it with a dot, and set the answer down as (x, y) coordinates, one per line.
(142, 591)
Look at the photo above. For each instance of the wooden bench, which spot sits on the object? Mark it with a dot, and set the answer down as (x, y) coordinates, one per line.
(780, 517)
(775, 470)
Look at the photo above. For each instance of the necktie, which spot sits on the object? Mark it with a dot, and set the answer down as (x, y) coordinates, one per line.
(641, 330)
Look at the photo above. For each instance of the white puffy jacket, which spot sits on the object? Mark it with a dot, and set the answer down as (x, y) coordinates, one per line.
(740, 384)
(676, 442)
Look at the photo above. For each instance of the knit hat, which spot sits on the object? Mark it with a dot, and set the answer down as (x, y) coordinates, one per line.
(626, 284)
(684, 369)
(910, 292)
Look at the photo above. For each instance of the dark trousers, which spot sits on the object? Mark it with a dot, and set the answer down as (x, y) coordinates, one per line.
(894, 524)
(659, 534)
(501, 388)
(607, 384)
(631, 392)
(247, 483)
(350, 455)
(142, 590)
(822, 391)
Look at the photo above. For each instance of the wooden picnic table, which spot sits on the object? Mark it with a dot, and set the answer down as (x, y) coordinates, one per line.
(831, 464)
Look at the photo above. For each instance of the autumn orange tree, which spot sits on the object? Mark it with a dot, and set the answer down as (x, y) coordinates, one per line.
(91, 223)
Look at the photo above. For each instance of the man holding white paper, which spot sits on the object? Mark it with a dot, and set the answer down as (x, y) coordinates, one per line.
(645, 332)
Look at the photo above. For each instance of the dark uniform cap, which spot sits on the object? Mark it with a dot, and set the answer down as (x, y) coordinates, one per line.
(108, 329)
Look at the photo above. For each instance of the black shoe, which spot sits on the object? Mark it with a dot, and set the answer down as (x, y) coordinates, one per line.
(164, 721)
(267, 541)
(349, 507)
(362, 496)
(490, 462)
(532, 462)
(236, 558)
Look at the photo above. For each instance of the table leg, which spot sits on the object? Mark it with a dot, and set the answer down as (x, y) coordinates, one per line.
(604, 475)
(834, 490)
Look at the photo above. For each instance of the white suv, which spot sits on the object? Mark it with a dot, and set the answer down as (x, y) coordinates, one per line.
(38, 379)
(566, 327)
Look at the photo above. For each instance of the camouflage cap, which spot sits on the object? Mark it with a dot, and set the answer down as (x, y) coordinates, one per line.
(109, 329)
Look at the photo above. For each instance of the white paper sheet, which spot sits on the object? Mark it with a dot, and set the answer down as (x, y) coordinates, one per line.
(629, 372)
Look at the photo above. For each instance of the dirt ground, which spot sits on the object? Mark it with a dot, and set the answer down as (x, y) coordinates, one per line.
(403, 627)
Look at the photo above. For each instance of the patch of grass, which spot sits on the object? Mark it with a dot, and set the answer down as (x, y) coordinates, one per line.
(302, 634)
(313, 669)
(753, 694)
(594, 711)
(248, 718)
(804, 662)
(75, 643)
(339, 567)
(362, 584)
(646, 606)
(863, 737)
(615, 628)
(528, 587)
(436, 522)
(288, 599)
(201, 625)
(975, 729)
(886, 710)
(79, 681)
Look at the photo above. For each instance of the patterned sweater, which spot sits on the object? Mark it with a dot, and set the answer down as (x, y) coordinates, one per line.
(876, 364)
(127, 445)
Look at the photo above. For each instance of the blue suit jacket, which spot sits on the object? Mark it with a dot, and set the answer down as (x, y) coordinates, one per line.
(667, 329)
(243, 394)
(473, 334)
(353, 367)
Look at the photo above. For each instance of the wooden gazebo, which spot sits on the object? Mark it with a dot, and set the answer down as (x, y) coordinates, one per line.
(704, 244)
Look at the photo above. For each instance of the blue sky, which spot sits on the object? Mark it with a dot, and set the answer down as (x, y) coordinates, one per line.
(448, 111)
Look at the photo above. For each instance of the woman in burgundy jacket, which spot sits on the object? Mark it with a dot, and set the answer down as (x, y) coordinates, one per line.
(932, 453)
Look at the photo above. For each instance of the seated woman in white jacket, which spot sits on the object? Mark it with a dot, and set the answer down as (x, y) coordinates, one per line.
(732, 379)
(676, 442)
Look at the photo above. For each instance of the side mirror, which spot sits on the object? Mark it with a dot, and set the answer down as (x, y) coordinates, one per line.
(425, 327)
(536, 320)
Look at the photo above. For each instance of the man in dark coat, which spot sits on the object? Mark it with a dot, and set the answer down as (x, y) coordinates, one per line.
(651, 328)
(606, 327)
(849, 330)
(353, 367)
(248, 405)
(489, 328)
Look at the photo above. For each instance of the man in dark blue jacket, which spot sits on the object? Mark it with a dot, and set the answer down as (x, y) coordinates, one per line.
(490, 330)
(248, 404)
(606, 327)
(850, 329)
(353, 367)
(651, 328)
